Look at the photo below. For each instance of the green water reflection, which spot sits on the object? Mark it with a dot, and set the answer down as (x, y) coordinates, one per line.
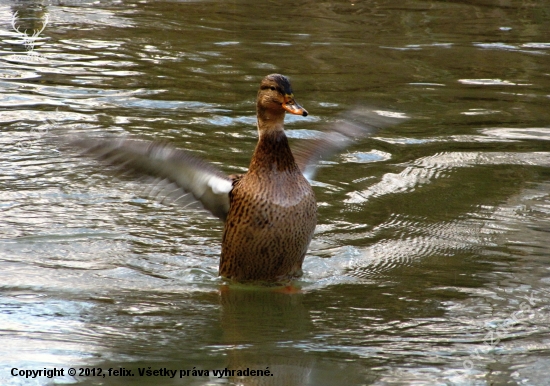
(431, 235)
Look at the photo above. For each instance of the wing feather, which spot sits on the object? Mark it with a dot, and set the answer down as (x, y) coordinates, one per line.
(357, 123)
(169, 165)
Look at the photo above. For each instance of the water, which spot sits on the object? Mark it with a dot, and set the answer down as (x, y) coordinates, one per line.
(429, 263)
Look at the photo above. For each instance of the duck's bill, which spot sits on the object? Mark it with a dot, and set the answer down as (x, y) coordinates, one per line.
(293, 107)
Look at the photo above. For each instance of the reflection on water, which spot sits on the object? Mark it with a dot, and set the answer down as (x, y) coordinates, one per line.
(432, 236)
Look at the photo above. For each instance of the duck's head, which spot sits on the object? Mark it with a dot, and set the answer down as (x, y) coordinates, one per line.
(275, 97)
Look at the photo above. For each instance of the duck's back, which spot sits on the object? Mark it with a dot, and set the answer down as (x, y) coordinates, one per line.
(271, 219)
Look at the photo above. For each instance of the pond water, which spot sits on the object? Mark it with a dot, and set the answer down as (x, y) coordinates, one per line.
(430, 260)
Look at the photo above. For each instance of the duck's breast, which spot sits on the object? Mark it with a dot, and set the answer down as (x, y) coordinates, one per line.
(269, 227)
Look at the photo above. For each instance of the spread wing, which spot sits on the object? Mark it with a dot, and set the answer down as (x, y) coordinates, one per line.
(169, 165)
(357, 123)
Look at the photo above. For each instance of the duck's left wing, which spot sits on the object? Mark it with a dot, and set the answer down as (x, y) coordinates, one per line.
(209, 186)
(357, 123)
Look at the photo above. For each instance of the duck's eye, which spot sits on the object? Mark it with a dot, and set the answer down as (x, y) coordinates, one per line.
(272, 88)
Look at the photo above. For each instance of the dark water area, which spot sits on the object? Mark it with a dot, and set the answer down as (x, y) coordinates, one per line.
(430, 261)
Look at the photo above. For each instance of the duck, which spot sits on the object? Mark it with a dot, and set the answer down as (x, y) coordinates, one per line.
(273, 211)
(269, 212)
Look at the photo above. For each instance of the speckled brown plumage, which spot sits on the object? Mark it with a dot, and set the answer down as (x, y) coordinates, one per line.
(271, 218)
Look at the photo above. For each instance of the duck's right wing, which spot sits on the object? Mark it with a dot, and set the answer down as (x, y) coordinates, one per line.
(169, 165)
(357, 123)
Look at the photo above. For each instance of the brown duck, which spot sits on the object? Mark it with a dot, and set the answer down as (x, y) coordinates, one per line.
(269, 212)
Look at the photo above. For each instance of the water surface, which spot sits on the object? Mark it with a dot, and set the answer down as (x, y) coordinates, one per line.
(429, 263)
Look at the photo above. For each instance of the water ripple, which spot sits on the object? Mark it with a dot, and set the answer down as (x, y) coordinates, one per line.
(425, 170)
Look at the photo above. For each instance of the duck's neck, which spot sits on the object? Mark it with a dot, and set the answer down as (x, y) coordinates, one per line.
(272, 152)
(269, 120)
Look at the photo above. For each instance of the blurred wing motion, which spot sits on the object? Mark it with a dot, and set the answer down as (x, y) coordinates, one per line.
(170, 166)
(180, 171)
(357, 123)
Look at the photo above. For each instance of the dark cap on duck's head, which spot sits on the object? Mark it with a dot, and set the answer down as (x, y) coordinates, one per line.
(282, 82)
(277, 88)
